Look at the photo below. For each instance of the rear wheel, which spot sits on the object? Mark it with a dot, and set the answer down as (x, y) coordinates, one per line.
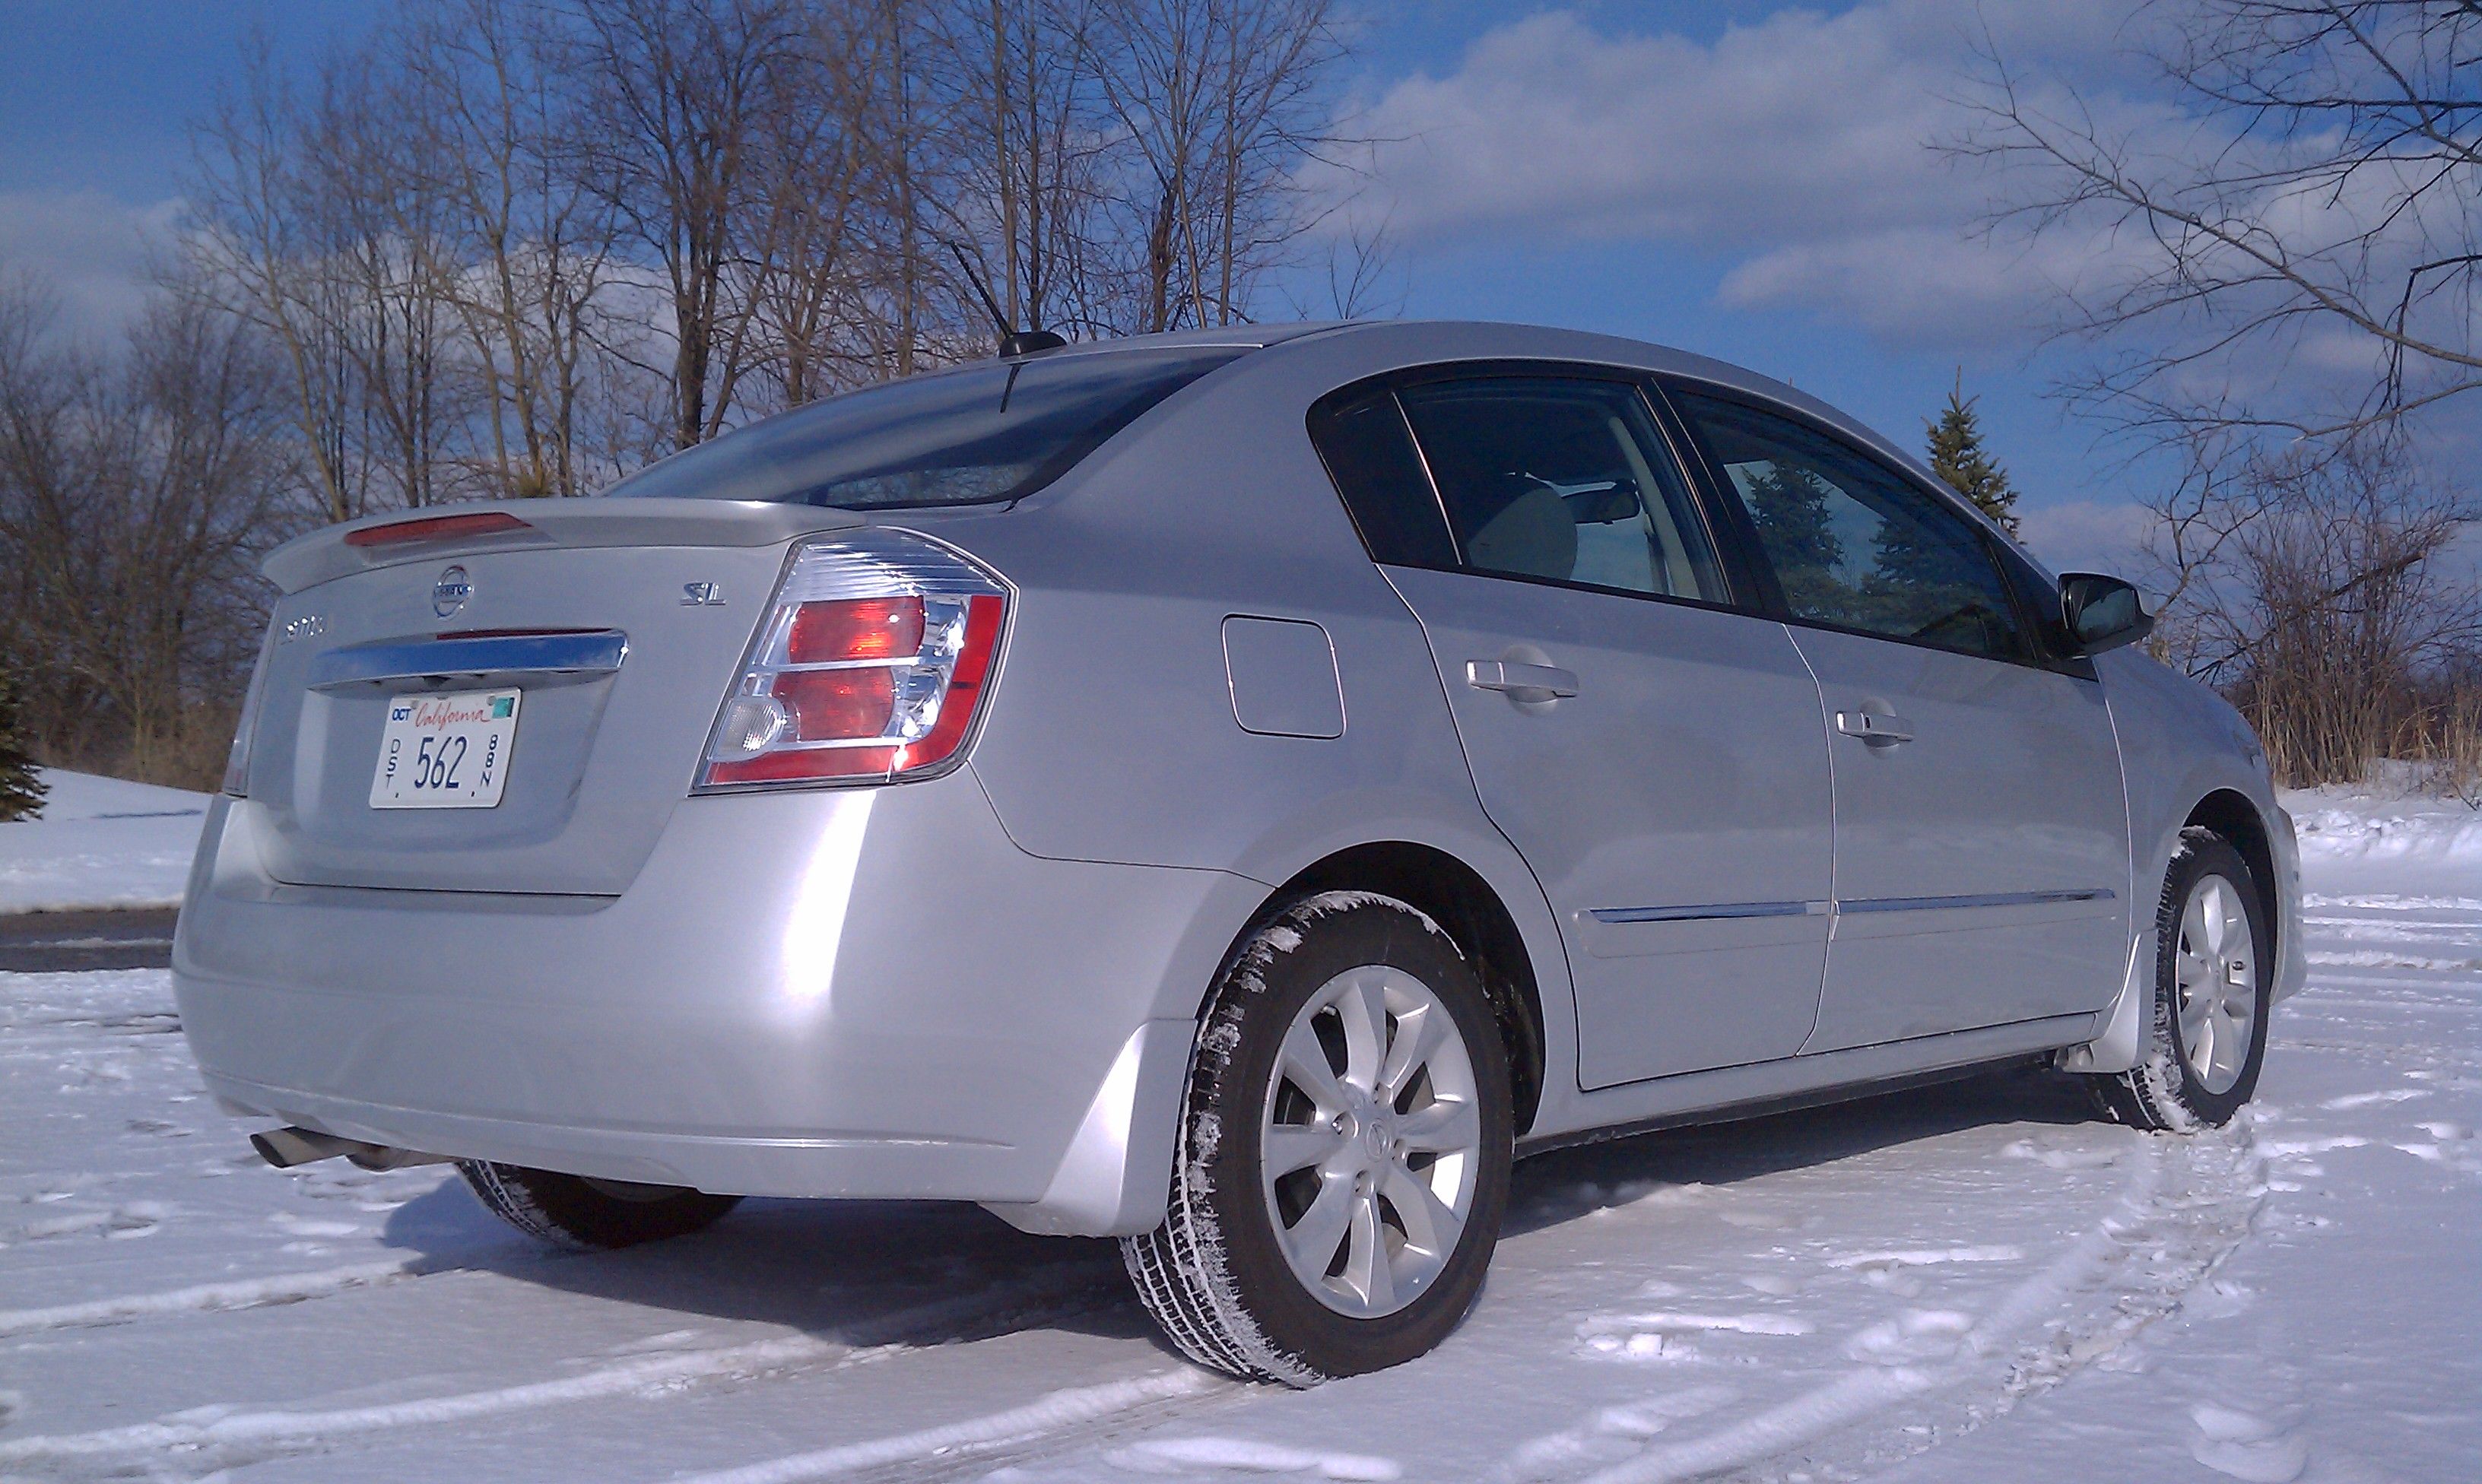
(574, 1211)
(1343, 1154)
(2207, 1036)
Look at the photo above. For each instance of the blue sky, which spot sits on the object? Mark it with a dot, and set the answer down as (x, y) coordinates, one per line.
(95, 94)
(1738, 179)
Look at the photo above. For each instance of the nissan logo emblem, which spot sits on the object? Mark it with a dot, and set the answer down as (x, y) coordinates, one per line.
(450, 592)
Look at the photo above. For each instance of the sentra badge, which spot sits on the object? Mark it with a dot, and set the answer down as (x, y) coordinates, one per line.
(450, 592)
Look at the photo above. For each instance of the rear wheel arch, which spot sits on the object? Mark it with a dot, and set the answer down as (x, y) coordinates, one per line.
(1469, 910)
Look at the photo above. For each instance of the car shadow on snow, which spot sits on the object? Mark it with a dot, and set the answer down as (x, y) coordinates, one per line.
(855, 1272)
(1565, 1185)
(924, 1273)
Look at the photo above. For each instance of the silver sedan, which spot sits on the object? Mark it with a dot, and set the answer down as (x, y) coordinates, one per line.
(1233, 792)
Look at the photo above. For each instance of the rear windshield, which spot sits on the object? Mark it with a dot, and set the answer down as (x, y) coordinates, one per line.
(987, 432)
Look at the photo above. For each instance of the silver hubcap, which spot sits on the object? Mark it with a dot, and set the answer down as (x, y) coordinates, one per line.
(2216, 972)
(1371, 1142)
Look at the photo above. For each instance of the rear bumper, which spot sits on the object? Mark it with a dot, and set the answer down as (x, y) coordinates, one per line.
(866, 993)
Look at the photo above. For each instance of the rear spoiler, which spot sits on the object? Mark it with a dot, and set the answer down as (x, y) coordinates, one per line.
(432, 533)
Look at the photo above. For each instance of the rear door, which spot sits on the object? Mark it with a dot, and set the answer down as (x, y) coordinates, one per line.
(1658, 759)
(1981, 831)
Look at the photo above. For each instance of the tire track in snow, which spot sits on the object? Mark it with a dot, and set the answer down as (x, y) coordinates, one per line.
(214, 1297)
(265, 1432)
(1041, 1421)
(260, 1429)
(1852, 1400)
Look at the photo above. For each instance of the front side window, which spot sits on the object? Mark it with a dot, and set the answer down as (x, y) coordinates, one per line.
(986, 434)
(1852, 542)
(1564, 480)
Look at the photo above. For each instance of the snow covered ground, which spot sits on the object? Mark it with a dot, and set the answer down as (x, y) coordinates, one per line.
(1974, 1282)
(101, 843)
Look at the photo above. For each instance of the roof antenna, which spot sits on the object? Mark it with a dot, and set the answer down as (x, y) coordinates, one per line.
(1013, 343)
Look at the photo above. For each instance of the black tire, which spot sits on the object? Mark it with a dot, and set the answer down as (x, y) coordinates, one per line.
(1213, 1274)
(582, 1214)
(2163, 1091)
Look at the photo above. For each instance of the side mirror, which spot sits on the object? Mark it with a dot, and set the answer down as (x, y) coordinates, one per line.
(2102, 612)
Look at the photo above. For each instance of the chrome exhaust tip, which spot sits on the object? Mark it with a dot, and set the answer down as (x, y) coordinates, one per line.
(285, 1148)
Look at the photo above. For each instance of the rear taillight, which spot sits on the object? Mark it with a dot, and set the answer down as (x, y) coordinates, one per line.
(869, 666)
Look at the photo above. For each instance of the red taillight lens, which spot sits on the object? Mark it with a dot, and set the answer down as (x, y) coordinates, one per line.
(436, 528)
(869, 666)
(833, 705)
(856, 628)
(983, 617)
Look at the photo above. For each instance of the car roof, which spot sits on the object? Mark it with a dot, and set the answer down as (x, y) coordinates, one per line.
(1403, 344)
(1378, 347)
(1424, 341)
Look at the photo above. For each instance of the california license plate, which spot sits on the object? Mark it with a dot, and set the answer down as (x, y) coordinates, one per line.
(445, 751)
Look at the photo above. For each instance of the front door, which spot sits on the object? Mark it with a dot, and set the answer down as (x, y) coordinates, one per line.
(1658, 759)
(1981, 829)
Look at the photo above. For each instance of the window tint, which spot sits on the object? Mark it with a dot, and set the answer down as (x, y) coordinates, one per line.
(1370, 455)
(1562, 480)
(1853, 543)
(988, 432)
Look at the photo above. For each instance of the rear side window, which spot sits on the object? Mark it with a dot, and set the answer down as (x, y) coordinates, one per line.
(1370, 454)
(1852, 542)
(1563, 480)
(984, 434)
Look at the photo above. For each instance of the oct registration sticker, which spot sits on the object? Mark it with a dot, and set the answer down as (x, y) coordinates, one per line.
(446, 751)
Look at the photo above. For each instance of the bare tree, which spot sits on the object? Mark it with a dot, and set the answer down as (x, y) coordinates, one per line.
(2284, 290)
(390, 289)
(1361, 276)
(135, 494)
(2320, 590)
(1217, 98)
(2298, 251)
(525, 245)
(257, 250)
(677, 93)
(1027, 154)
(489, 237)
(497, 248)
(307, 226)
(810, 270)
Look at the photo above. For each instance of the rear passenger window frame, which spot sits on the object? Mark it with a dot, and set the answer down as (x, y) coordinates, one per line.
(1732, 568)
(2035, 651)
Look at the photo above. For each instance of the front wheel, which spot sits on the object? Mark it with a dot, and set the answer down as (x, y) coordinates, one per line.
(1343, 1154)
(2207, 1036)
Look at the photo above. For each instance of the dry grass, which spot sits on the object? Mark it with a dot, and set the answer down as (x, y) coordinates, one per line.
(2446, 743)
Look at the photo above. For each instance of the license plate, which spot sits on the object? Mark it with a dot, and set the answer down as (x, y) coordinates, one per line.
(445, 751)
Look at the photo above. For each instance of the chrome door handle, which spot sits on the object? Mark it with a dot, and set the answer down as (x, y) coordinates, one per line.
(1873, 726)
(1520, 680)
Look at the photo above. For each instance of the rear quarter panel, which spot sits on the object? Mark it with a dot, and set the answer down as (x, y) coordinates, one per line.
(1112, 735)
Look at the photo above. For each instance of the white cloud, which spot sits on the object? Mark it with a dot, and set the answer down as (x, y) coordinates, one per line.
(92, 253)
(1798, 147)
(2088, 535)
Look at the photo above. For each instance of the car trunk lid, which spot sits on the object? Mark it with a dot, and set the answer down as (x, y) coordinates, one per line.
(620, 624)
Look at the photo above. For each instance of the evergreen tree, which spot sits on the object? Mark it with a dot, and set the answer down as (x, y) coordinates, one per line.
(1958, 457)
(1789, 507)
(21, 792)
